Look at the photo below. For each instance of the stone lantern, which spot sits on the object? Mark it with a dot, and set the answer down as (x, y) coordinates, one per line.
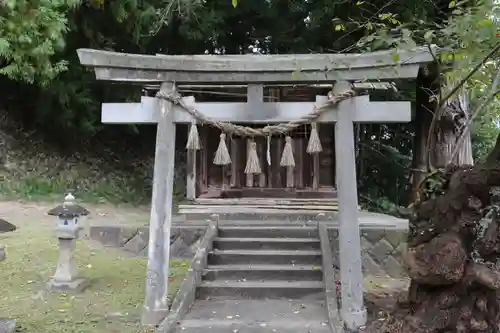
(6, 325)
(68, 228)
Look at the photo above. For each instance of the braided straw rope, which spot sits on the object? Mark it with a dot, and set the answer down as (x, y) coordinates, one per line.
(245, 131)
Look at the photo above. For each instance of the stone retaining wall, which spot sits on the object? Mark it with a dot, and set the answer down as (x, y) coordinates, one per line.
(184, 241)
(382, 250)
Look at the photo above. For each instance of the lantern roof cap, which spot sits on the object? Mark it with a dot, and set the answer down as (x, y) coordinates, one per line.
(69, 208)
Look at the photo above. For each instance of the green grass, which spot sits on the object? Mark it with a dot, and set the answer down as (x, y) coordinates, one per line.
(111, 304)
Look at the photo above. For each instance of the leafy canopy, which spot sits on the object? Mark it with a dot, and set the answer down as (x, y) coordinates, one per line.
(31, 33)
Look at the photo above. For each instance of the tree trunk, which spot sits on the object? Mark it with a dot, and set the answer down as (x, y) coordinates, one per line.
(427, 86)
(450, 125)
(453, 255)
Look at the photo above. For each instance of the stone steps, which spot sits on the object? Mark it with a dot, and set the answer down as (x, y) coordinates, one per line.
(264, 272)
(270, 257)
(244, 327)
(261, 279)
(252, 316)
(264, 262)
(268, 232)
(238, 289)
(267, 243)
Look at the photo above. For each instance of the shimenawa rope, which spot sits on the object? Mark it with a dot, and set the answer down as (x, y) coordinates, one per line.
(245, 131)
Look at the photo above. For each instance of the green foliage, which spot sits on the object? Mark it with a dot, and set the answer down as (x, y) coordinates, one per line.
(43, 50)
(31, 33)
(383, 161)
(380, 205)
(466, 32)
(485, 131)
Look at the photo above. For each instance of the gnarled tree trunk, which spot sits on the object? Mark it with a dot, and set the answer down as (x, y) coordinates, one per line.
(453, 255)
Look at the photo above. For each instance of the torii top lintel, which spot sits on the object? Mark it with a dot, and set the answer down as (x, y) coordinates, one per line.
(248, 69)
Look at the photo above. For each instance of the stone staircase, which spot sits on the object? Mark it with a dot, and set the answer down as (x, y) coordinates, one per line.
(261, 279)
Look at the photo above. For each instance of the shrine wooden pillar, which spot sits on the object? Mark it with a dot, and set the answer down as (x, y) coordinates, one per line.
(352, 308)
(156, 300)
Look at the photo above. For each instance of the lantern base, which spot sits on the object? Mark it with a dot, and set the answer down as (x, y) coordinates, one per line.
(7, 325)
(68, 232)
(75, 286)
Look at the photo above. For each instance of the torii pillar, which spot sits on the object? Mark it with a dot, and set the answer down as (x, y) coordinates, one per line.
(155, 307)
(352, 308)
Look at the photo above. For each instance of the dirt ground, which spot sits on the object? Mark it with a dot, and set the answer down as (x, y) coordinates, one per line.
(102, 213)
(382, 295)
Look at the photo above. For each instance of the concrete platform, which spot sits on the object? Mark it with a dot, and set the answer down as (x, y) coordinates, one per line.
(366, 219)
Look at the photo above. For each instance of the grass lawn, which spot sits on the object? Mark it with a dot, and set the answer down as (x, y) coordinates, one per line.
(111, 304)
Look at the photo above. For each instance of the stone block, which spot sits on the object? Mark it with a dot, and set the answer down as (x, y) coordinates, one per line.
(7, 325)
(135, 245)
(6, 226)
(373, 235)
(381, 250)
(184, 241)
(106, 235)
(370, 266)
(179, 249)
(366, 245)
(395, 237)
(174, 232)
(144, 251)
(189, 236)
(394, 268)
(126, 234)
(401, 249)
(144, 233)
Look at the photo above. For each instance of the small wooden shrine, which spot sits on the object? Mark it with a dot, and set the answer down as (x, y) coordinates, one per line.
(311, 176)
(266, 146)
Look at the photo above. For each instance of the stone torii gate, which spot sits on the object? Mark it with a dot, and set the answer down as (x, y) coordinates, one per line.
(340, 70)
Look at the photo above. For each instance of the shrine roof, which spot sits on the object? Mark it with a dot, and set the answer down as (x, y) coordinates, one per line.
(248, 69)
